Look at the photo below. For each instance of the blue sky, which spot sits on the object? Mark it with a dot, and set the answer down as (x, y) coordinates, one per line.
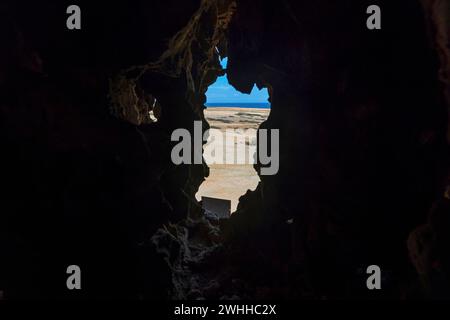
(221, 91)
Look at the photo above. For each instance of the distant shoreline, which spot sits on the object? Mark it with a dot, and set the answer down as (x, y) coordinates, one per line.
(236, 118)
(262, 105)
(241, 109)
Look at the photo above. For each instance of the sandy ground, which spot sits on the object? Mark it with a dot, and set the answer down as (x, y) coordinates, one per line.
(230, 181)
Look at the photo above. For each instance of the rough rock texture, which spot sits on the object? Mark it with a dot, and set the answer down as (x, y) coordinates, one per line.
(87, 175)
(363, 125)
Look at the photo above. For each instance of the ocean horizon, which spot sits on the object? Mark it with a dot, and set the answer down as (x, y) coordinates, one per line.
(255, 105)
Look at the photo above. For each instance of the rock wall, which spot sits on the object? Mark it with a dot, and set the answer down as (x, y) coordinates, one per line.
(363, 123)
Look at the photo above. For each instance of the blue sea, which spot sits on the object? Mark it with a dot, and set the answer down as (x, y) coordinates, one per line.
(262, 105)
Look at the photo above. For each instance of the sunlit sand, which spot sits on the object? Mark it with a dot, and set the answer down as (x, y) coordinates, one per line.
(228, 181)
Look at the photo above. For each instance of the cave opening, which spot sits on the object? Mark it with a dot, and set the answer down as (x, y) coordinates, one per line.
(230, 151)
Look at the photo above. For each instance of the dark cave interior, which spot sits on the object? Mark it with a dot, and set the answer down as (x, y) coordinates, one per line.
(364, 149)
